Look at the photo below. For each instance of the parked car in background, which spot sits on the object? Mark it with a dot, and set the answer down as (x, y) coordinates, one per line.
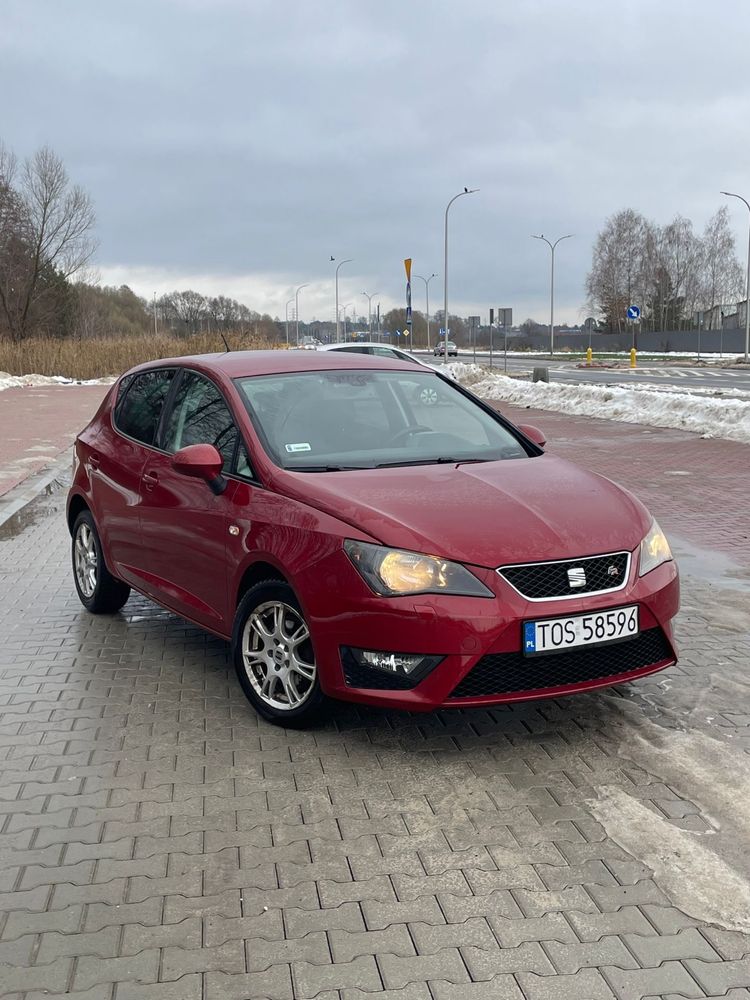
(351, 544)
(440, 349)
(428, 394)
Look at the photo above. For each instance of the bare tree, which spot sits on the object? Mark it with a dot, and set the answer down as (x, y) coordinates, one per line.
(722, 277)
(45, 237)
(187, 308)
(617, 268)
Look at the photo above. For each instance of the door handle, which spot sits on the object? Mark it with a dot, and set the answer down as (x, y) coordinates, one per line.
(150, 479)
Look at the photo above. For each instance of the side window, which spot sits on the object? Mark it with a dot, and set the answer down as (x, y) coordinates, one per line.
(386, 352)
(355, 350)
(140, 404)
(200, 415)
(243, 463)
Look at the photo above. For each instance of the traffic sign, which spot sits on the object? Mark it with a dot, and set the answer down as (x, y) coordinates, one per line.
(634, 312)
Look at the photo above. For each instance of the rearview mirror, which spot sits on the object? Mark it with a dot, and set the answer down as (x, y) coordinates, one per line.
(533, 433)
(201, 461)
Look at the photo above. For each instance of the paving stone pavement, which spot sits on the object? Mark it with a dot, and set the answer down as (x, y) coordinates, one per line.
(159, 842)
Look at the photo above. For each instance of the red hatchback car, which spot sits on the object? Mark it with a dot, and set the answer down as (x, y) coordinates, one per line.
(353, 543)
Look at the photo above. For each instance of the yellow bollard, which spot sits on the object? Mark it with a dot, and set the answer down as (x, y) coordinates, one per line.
(589, 355)
(632, 357)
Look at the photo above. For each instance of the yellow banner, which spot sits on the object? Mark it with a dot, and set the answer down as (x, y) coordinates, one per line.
(407, 266)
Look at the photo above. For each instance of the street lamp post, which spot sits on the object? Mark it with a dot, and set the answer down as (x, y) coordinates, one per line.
(370, 297)
(286, 314)
(155, 331)
(340, 264)
(552, 287)
(343, 310)
(427, 297)
(296, 307)
(747, 286)
(445, 268)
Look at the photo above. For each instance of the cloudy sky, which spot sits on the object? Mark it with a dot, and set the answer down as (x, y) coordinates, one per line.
(236, 145)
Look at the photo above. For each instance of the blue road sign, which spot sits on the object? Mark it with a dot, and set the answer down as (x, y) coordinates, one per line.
(634, 312)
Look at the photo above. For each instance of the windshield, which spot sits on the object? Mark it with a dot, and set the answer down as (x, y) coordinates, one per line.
(336, 420)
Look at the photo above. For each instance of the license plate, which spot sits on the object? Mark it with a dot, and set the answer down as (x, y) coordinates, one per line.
(556, 634)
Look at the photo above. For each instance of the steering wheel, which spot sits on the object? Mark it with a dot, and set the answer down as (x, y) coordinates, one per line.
(400, 436)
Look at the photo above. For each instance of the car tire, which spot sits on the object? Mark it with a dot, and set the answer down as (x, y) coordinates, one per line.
(274, 657)
(99, 591)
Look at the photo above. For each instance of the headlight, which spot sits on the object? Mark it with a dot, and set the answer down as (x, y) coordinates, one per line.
(655, 550)
(391, 572)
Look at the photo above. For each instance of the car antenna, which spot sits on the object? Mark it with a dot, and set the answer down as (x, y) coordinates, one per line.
(228, 348)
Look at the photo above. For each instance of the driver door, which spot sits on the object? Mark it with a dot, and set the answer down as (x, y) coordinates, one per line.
(184, 524)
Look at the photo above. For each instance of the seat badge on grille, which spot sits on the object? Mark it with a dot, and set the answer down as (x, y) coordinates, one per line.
(613, 571)
(576, 577)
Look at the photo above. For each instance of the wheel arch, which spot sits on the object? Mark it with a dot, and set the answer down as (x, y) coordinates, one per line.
(76, 505)
(255, 573)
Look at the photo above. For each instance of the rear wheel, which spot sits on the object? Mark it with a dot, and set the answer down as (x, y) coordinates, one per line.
(274, 657)
(99, 591)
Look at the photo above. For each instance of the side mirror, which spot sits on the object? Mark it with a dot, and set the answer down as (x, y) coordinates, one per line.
(201, 461)
(533, 433)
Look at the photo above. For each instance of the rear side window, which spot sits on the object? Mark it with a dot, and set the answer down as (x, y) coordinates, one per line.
(199, 415)
(139, 408)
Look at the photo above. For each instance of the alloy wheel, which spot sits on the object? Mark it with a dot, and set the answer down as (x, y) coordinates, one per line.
(277, 655)
(86, 560)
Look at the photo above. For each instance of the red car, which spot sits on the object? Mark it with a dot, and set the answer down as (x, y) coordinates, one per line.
(355, 544)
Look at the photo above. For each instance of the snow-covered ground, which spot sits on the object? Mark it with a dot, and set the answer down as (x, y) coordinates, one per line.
(709, 416)
(18, 381)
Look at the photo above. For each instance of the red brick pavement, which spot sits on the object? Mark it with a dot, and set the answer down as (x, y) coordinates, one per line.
(36, 424)
(699, 489)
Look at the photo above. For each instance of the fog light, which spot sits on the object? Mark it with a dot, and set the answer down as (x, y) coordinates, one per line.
(406, 664)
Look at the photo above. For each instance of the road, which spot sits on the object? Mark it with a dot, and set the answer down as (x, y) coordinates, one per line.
(159, 842)
(653, 373)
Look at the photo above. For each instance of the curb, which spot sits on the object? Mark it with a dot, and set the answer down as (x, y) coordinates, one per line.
(24, 493)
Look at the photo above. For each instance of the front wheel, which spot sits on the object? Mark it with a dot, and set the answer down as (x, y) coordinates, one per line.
(274, 656)
(99, 591)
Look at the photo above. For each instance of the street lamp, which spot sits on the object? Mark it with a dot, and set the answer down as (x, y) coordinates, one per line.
(340, 264)
(286, 314)
(427, 296)
(747, 286)
(370, 297)
(343, 310)
(296, 307)
(552, 287)
(445, 268)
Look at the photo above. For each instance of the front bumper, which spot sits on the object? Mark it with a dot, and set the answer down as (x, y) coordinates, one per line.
(480, 640)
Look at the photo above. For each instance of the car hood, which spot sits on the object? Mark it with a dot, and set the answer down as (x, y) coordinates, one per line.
(486, 514)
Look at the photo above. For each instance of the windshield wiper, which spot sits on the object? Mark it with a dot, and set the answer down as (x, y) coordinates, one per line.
(441, 460)
(326, 468)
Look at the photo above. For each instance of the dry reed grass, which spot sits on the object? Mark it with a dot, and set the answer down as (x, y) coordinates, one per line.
(99, 358)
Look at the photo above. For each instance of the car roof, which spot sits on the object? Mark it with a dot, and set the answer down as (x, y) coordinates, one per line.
(236, 364)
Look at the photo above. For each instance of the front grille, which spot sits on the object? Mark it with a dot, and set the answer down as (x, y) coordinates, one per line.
(544, 580)
(503, 673)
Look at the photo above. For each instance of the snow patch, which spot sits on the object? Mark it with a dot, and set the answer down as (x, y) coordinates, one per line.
(8, 381)
(709, 416)
(693, 876)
